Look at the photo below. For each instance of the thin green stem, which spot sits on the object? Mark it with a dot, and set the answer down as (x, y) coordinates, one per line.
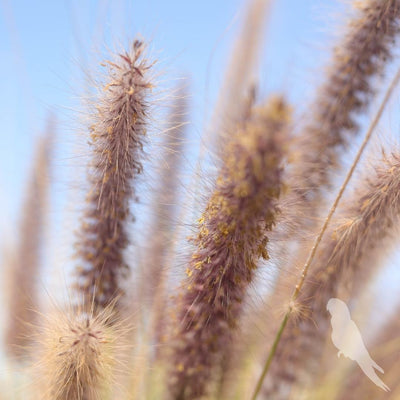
(271, 354)
(318, 239)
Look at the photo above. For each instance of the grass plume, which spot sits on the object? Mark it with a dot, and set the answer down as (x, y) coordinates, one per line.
(25, 264)
(117, 136)
(331, 124)
(232, 237)
(241, 69)
(76, 355)
(346, 93)
(165, 213)
(165, 197)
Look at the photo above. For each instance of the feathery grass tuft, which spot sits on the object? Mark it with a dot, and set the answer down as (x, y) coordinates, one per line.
(345, 94)
(232, 237)
(117, 135)
(76, 355)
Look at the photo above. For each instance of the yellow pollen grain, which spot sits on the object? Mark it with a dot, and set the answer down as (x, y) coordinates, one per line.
(198, 264)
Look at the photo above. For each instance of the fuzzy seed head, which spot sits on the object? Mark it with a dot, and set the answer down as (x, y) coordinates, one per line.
(232, 236)
(117, 137)
(75, 354)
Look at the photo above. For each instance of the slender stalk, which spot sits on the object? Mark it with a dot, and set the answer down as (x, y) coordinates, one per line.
(271, 354)
(317, 241)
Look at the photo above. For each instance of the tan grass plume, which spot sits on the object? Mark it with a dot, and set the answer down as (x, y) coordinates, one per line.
(76, 354)
(232, 237)
(25, 265)
(117, 136)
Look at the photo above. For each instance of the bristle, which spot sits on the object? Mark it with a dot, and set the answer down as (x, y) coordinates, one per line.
(345, 258)
(25, 264)
(232, 237)
(117, 137)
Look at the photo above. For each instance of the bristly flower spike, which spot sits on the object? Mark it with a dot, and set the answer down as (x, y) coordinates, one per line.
(117, 137)
(232, 237)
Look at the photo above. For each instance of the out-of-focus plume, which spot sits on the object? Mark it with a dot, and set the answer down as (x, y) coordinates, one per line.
(241, 72)
(165, 213)
(24, 267)
(331, 124)
(345, 94)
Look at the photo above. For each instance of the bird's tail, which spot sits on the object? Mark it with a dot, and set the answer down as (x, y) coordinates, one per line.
(376, 366)
(367, 367)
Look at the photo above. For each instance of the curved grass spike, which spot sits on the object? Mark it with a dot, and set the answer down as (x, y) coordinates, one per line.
(232, 237)
(117, 134)
(346, 92)
(25, 263)
(76, 355)
(282, 374)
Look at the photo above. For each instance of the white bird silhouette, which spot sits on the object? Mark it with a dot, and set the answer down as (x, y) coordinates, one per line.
(348, 340)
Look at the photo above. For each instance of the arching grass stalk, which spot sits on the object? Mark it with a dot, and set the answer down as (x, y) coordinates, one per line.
(317, 241)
